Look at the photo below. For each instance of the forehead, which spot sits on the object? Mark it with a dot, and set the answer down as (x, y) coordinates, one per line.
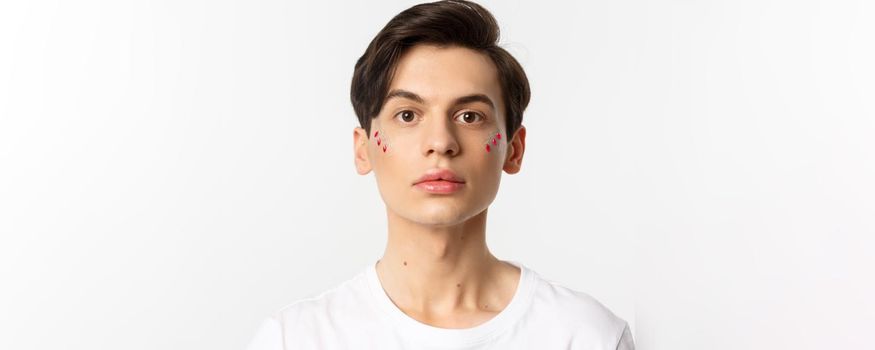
(440, 74)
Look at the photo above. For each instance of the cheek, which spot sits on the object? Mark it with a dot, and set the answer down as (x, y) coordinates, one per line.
(492, 147)
(493, 141)
(381, 140)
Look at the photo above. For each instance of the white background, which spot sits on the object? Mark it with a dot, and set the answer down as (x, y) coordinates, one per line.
(173, 171)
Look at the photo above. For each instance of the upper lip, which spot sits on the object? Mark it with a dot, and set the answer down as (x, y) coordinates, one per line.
(440, 174)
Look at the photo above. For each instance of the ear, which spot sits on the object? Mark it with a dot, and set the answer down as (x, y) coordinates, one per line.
(362, 157)
(517, 146)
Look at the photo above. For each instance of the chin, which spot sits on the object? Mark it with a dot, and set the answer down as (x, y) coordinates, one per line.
(441, 215)
(437, 215)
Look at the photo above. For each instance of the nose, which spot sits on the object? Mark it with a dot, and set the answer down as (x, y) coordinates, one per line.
(440, 138)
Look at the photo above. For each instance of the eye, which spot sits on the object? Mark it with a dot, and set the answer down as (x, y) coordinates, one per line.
(406, 115)
(470, 117)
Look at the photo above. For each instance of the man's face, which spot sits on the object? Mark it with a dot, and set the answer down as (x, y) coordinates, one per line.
(440, 131)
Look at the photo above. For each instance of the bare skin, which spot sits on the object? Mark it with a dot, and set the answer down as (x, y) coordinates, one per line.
(447, 283)
(437, 267)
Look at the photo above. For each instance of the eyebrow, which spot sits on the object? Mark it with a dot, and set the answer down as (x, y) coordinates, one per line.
(400, 93)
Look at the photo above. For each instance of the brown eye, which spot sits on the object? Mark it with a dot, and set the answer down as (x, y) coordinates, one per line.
(469, 117)
(407, 116)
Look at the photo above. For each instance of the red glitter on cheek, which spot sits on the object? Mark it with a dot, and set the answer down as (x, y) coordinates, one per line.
(493, 140)
(381, 141)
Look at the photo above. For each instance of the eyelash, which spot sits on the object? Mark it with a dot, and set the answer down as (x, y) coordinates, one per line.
(482, 118)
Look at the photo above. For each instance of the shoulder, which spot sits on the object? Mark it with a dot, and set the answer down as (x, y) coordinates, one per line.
(576, 305)
(348, 298)
(580, 314)
(342, 308)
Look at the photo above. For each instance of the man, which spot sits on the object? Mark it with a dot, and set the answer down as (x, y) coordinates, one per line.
(440, 109)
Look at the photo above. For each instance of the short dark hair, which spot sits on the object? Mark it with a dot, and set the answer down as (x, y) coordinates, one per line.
(443, 23)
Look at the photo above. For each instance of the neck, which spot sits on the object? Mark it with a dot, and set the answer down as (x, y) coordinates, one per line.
(439, 269)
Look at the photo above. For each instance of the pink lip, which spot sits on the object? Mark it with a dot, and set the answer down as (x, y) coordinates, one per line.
(439, 180)
(439, 174)
(440, 186)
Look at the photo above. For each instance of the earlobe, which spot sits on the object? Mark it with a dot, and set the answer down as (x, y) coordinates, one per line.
(360, 150)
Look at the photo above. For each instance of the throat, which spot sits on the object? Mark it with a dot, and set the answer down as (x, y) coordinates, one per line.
(454, 298)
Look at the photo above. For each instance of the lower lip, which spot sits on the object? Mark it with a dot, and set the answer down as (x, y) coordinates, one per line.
(442, 187)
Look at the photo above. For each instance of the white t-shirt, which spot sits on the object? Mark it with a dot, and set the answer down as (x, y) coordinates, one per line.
(357, 314)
